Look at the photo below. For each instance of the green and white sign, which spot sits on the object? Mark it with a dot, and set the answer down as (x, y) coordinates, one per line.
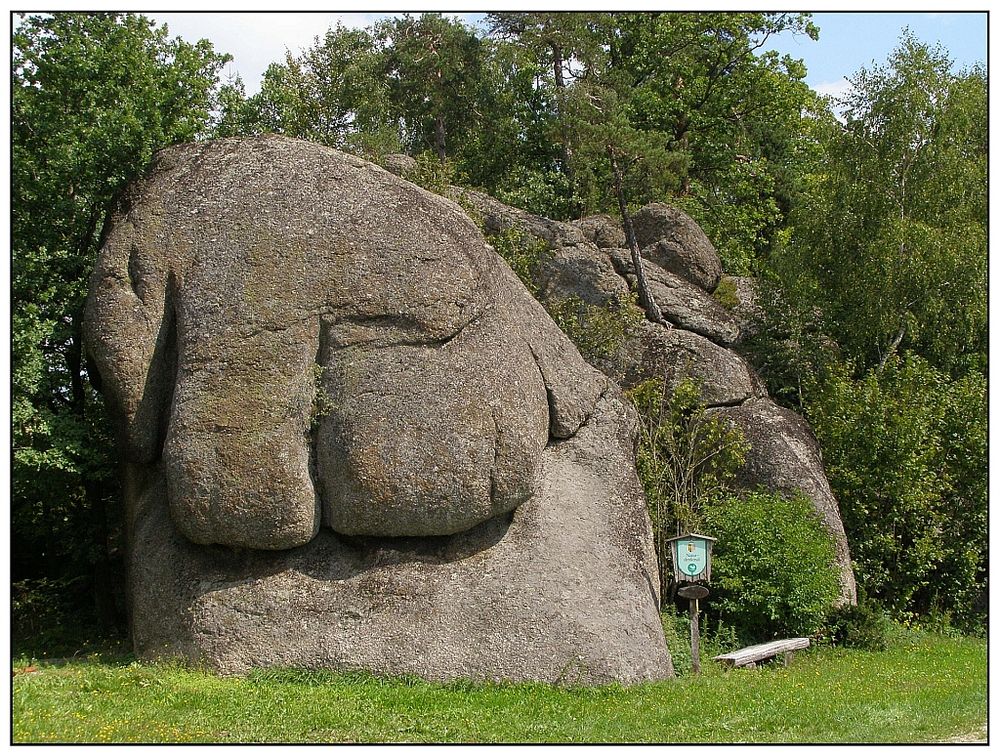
(692, 556)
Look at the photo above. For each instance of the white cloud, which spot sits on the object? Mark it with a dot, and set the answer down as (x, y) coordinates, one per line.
(833, 89)
(255, 40)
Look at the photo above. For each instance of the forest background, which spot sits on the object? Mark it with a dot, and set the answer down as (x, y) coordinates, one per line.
(862, 220)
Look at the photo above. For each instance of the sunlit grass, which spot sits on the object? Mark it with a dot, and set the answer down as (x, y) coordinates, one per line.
(926, 688)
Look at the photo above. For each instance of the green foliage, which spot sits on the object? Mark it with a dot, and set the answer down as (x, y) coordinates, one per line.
(541, 192)
(433, 70)
(739, 213)
(598, 332)
(433, 174)
(773, 570)
(686, 455)
(335, 93)
(903, 448)
(93, 95)
(889, 233)
(863, 626)
(725, 293)
(522, 253)
(685, 458)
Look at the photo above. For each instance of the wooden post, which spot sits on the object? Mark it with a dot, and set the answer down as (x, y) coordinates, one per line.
(693, 593)
(695, 651)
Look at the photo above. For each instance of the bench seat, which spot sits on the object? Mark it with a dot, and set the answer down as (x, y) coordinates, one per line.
(752, 654)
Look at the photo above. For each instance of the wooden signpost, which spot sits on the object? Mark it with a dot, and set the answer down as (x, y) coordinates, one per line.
(692, 556)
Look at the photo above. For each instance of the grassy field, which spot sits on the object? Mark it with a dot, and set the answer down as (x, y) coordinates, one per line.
(927, 688)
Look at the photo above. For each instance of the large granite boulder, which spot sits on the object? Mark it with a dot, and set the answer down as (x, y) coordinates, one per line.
(670, 238)
(313, 364)
(784, 456)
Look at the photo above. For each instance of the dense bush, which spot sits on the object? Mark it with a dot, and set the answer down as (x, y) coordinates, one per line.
(685, 457)
(903, 448)
(863, 626)
(773, 570)
(522, 253)
(598, 332)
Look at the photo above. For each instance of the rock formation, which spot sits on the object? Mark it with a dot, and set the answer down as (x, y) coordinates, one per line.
(353, 438)
(683, 269)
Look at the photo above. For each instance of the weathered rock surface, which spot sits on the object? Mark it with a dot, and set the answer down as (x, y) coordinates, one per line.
(497, 217)
(748, 312)
(582, 271)
(602, 230)
(673, 354)
(682, 303)
(562, 591)
(785, 457)
(400, 165)
(292, 337)
(671, 239)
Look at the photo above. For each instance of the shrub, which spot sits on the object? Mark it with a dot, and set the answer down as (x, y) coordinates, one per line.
(598, 332)
(685, 456)
(541, 192)
(905, 451)
(863, 626)
(433, 174)
(773, 570)
(522, 253)
(725, 293)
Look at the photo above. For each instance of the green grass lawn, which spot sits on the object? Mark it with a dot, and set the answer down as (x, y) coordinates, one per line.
(926, 688)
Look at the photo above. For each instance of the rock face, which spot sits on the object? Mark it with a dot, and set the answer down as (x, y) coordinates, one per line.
(673, 354)
(399, 164)
(602, 230)
(682, 303)
(681, 266)
(672, 240)
(313, 360)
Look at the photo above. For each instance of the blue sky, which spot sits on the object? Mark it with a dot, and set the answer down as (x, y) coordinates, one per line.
(848, 41)
(851, 41)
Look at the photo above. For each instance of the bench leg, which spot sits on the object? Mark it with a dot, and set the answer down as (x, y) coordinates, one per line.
(787, 657)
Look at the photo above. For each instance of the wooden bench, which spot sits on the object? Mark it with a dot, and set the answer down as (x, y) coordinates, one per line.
(749, 656)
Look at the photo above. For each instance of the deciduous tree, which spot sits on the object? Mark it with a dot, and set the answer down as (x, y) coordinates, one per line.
(93, 95)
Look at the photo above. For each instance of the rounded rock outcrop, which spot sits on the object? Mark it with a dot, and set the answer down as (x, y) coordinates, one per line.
(670, 238)
(342, 417)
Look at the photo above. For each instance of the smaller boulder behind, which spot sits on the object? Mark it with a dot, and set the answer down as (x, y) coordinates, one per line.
(670, 238)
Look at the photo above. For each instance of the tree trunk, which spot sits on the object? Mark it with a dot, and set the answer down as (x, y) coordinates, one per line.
(439, 135)
(557, 71)
(646, 299)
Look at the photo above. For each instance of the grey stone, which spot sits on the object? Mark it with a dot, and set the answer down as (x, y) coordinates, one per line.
(682, 303)
(292, 337)
(400, 165)
(748, 312)
(672, 355)
(602, 230)
(496, 217)
(784, 456)
(563, 591)
(670, 238)
(582, 271)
